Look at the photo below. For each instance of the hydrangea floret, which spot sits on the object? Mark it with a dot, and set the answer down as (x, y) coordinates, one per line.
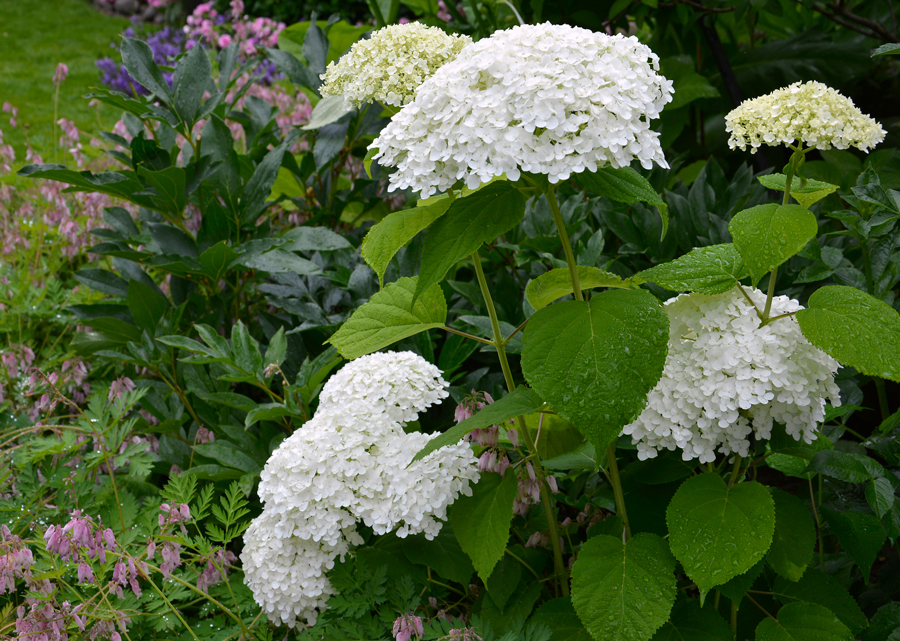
(390, 65)
(728, 375)
(805, 112)
(545, 99)
(350, 463)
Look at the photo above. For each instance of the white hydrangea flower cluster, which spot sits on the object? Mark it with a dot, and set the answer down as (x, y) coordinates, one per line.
(391, 64)
(349, 464)
(727, 375)
(807, 112)
(545, 99)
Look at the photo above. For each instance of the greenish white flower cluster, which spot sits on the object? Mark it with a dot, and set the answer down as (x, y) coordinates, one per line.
(545, 99)
(727, 375)
(389, 66)
(810, 113)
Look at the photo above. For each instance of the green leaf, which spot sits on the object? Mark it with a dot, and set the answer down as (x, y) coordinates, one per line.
(690, 622)
(279, 261)
(217, 259)
(138, 59)
(885, 622)
(845, 466)
(855, 329)
(193, 75)
(384, 239)
(889, 49)
(503, 581)
(823, 589)
(623, 592)
(469, 222)
(229, 455)
(519, 402)
(328, 110)
(861, 535)
(803, 622)
(103, 281)
(880, 495)
(556, 283)
(811, 192)
(276, 352)
(297, 72)
(230, 399)
(314, 239)
(595, 363)
(442, 553)
(390, 316)
(767, 235)
(266, 412)
(169, 185)
(559, 616)
(146, 305)
(583, 457)
(172, 240)
(367, 161)
(481, 521)
(258, 188)
(245, 349)
(719, 532)
(625, 185)
(794, 538)
(708, 270)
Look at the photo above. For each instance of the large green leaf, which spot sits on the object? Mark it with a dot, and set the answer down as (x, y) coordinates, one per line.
(387, 237)
(860, 534)
(623, 592)
(767, 235)
(147, 306)
(690, 622)
(846, 466)
(794, 538)
(122, 184)
(625, 185)
(481, 521)
(169, 185)
(885, 622)
(556, 283)
(521, 401)
(708, 270)
(719, 532)
(823, 589)
(469, 222)
(138, 59)
(193, 75)
(854, 328)
(803, 622)
(595, 363)
(390, 316)
(880, 496)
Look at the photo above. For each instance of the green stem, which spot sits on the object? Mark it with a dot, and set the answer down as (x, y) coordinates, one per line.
(172, 608)
(567, 247)
(882, 398)
(734, 619)
(735, 473)
(617, 488)
(789, 178)
(546, 494)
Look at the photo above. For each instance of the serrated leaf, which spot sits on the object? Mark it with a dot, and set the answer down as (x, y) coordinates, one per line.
(390, 316)
(854, 328)
(861, 536)
(384, 239)
(803, 622)
(719, 532)
(845, 466)
(623, 592)
(794, 538)
(736, 588)
(811, 192)
(442, 553)
(823, 589)
(557, 283)
(690, 622)
(884, 624)
(767, 235)
(559, 616)
(481, 521)
(469, 222)
(625, 185)
(880, 496)
(519, 402)
(503, 581)
(594, 363)
(708, 270)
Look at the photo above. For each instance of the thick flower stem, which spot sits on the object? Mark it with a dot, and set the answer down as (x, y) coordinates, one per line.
(567, 247)
(576, 290)
(788, 179)
(546, 494)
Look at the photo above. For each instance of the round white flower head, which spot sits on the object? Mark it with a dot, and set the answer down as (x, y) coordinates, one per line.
(810, 113)
(391, 64)
(727, 375)
(545, 99)
(350, 463)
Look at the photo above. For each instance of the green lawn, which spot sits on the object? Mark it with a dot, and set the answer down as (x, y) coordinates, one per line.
(35, 35)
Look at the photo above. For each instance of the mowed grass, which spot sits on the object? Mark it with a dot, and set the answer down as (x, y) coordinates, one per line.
(36, 35)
